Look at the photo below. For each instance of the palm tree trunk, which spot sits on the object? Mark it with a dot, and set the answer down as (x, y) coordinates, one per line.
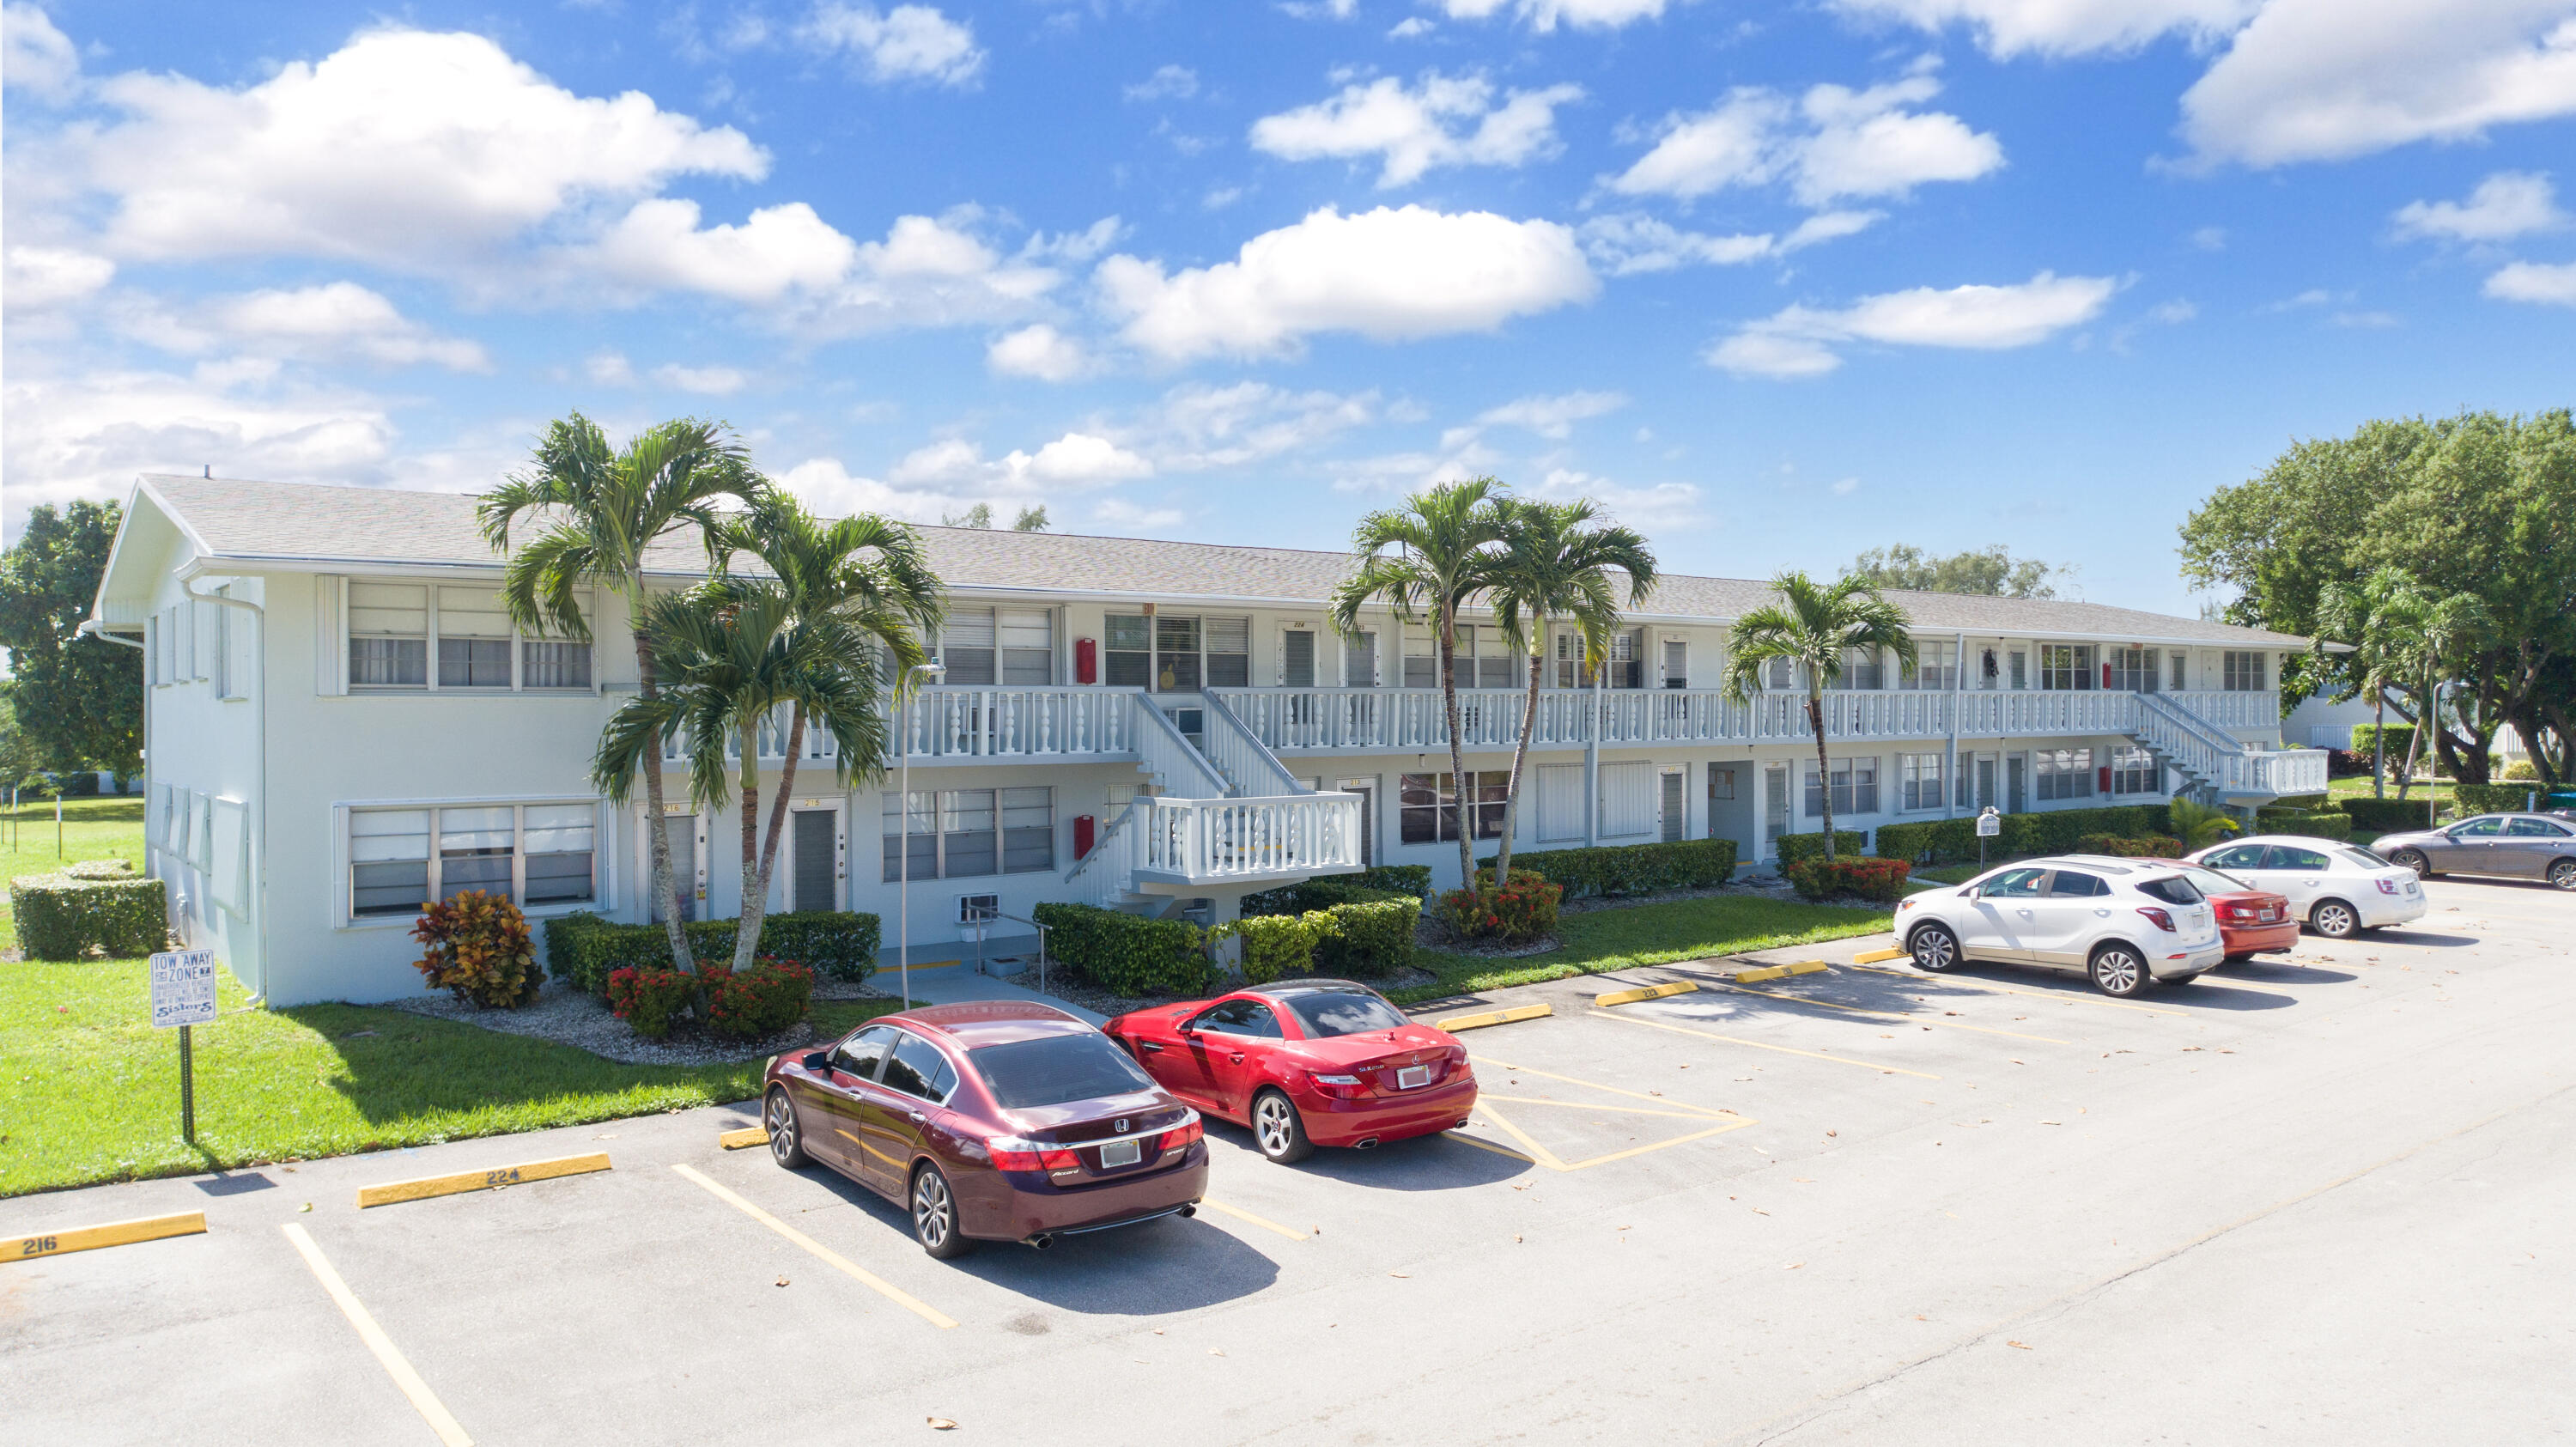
(1520, 758)
(1457, 750)
(746, 942)
(2379, 743)
(2415, 743)
(755, 889)
(657, 828)
(1824, 769)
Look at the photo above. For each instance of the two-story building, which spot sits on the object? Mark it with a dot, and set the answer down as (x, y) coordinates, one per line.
(341, 721)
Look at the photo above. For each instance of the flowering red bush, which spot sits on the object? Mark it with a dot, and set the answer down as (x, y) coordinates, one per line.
(763, 1000)
(647, 997)
(479, 950)
(1879, 879)
(1522, 910)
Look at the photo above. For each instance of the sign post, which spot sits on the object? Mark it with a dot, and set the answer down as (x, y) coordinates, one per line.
(183, 995)
(1989, 825)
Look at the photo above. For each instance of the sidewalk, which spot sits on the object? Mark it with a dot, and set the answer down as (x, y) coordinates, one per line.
(945, 974)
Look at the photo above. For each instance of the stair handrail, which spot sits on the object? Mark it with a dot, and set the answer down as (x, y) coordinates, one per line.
(1166, 752)
(1240, 755)
(2209, 733)
(1100, 890)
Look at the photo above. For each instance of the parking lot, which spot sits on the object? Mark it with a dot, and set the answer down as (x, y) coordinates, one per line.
(2326, 1195)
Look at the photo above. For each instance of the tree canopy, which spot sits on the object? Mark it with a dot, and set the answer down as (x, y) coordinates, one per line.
(79, 700)
(1991, 571)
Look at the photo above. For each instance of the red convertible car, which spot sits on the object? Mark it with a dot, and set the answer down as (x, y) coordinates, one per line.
(995, 1121)
(1305, 1063)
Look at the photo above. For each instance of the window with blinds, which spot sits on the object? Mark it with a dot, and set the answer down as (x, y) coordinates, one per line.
(452, 636)
(1229, 652)
(968, 647)
(965, 833)
(1936, 665)
(1359, 660)
(1481, 658)
(1780, 673)
(1676, 663)
(534, 855)
(1297, 659)
(474, 636)
(1027, 638)
(1862, 668)
(1128, 651)
(388, 635)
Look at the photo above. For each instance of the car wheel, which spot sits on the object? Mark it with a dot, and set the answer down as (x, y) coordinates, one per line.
(778, 1114)
(2119, 970)
(2563, 874)
(1278, 1131)
(2413, 859)
(1934, 948)
(934, 1216)
(2334, 919)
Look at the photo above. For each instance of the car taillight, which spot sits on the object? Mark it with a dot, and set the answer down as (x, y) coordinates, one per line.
(1334, 1084)
(2163, 921)
(2388, 886)
(1010, 1153)
(1181, 1137)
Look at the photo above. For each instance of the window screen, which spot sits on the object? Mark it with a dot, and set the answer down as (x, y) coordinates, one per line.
(473, 639)
(966, 645)
(558, 845)
(388, 635)
(474, 848)
(1027, 639)
(1676, 663)
(1297, 659)
(1359, 660)
(1028, 829)
(1229, 653)
(388, 861)
(1129, 650)
(1176, 654)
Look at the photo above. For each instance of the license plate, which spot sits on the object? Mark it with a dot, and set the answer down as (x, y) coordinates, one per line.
(1412, 1076)
(1120, 1153)
(2270, 915)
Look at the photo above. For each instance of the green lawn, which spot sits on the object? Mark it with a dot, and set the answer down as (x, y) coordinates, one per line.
(1651, 934)
(90, 1092)
(110, 828)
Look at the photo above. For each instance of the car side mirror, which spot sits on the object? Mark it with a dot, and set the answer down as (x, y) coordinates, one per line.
(1968, 893)
(818, 1060)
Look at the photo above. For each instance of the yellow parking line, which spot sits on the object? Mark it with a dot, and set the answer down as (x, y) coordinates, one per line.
(1895, 1015)
(1588, 1085)
(422, 1399)
(1538, 1153)
(1693, 1114)
(1949, 981)
(823, 1253)
(1758, 1045)
(114, 1233)
(1659, 1145)
(1246, 1216)
(1487, 1146)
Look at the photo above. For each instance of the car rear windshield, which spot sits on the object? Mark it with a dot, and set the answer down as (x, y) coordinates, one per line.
(2172, 889)
(2355, 854)
(2210, 881)
(1053, 1069)
(1327, 1013)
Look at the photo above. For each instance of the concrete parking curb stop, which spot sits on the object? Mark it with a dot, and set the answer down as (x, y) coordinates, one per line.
(734, 1140)
(1755, 977)
(1456, 1023)
(1874, 957)
(1645, 992)
(428, 1186)
(114, 1233)
(1809, 967)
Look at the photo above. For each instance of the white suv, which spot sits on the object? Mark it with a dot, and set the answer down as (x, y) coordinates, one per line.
(2124, 922)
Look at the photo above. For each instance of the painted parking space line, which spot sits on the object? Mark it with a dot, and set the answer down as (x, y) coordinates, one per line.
(1759, 1045)
(824, 1253)
(115, 1233)
(388, 1355)
(1722, 1121)
(1588, 1105)
(1240, 1214)
(1893, 1015)
(1487, 1146)
(1950, 981)
(491, 1180)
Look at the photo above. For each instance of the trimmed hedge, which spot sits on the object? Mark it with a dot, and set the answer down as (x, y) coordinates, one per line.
(1127, 953)
(1412, 881)
(1371, 937)
(585, 949)
(2152, 846)
(1610, 871)
(1795, 847)
(2397, 735)
(1954, 841)
(2332, 824)
(1882, 880)
(1279, 946)
(61, 917)
(2374, 817)
(2496, 798)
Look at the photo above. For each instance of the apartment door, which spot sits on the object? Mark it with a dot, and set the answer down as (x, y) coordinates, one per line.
(1775, 805)
(2016, 771)
(1676, 805)
(688, 836)
(1367, 790)
(814, 862)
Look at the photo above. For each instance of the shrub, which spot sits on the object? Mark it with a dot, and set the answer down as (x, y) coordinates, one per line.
(2397, 735)
(1521, 910)
(1128, 954)
(1862, 877)
(2374, 817)
(839, 944)
(479, 950)
(1954, 841)
(1612, 870)
(63, 917)
(99, 869)
(1794, 847)
(763, 1000)
(2332, 824)
(646, 997)
(586, 949)
(2152, 846)
(2493, 798)
(1372, 937)
(2519, 770)
(2346, 764)
(1279, 946)
(1412, 881)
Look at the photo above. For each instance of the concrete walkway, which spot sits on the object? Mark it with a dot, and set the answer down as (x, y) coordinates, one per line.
(946, 975)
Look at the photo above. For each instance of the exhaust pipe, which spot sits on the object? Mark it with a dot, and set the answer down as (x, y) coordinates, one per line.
(1188, 1211)
(1042, 1240)
(1367, 1145)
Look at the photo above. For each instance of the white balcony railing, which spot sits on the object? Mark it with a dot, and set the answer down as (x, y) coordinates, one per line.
(1211, 841)
(1021, 723)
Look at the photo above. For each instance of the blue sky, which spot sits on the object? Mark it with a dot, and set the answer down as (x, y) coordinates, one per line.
(1774, 283)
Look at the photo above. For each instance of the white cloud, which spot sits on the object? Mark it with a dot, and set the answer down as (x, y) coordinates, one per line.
(659, 245)
(1039, 351)
(2173, 313)
(705, 381)
(2505, 205)
(826, 486)
(1630, 242)
(1387, 274)
(1075, 460)
(1400, 471)
(43, 276)
(2532, 282)
(1835, 142)
(1544, 15)
(35, 57)
(941, 271)
(403, 148)
(340, 320)
(609, 369)
(2209, 238)
(1409, 27)
(2323, 80)
(1196, 427)
(1662, 506)
(1442, 121)
(1552, 416)
(1799, 341)
(2065, 27)
(1168, 82)
(1118, 512)
(909, 42)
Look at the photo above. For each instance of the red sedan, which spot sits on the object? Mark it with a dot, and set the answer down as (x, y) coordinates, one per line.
(1307, 1063)
(2251, 921)
(997, 1121)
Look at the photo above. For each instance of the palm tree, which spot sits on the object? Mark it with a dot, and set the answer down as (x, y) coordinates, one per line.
(2381, 616)
(2197, 824)
(600, 510)
(1441, 542)
(2440, 630)
(1814, 625)
(1555, 564)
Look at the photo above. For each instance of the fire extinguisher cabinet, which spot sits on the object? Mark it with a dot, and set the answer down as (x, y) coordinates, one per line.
(1086, 831)
(1086, 660)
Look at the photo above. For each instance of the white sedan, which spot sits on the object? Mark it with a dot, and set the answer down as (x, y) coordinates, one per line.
(2339, 889)
(2125, 923)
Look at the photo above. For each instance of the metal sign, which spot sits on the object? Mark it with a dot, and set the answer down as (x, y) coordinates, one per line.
(183, 988)
(1989, 824)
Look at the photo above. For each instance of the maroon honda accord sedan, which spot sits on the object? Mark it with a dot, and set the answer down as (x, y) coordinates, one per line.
(994, 1121)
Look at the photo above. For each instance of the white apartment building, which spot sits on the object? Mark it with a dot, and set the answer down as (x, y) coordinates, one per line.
(342, 722)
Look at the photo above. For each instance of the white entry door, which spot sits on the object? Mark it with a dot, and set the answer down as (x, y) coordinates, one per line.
(813, 871)
(688, 834)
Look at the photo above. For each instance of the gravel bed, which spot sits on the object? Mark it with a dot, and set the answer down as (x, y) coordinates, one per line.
(565, 1015)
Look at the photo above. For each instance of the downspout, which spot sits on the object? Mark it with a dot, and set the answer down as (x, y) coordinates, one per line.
(1950, 771)
(259, 794)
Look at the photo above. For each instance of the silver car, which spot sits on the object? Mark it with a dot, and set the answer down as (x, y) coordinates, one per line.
(2511, 846)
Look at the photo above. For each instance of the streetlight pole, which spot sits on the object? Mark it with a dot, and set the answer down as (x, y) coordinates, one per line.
(931, 672)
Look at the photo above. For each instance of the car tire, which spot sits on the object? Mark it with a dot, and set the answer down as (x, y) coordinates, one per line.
(2333, 919)
(1277, 1130)
(2413, 859)
(786, 1140)
(2119, 970)
(2563, 874)
(934, 1216)
(1934, 948)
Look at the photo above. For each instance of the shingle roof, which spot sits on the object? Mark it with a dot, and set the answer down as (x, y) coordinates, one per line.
(301, 522)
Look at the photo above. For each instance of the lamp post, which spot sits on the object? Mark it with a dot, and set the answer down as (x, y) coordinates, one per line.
(931, 672)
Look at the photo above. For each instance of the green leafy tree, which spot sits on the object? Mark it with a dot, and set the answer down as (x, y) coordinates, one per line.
(1815, 625)
(2382, 618)
(2198, 825)
(1556, 563)
(978, 516)
(1991, 571)
(596, 511)
(1030, 520)
(1423, 561)
(79, 698)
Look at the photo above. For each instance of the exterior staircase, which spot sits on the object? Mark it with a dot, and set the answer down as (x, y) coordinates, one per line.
(2217, 763)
